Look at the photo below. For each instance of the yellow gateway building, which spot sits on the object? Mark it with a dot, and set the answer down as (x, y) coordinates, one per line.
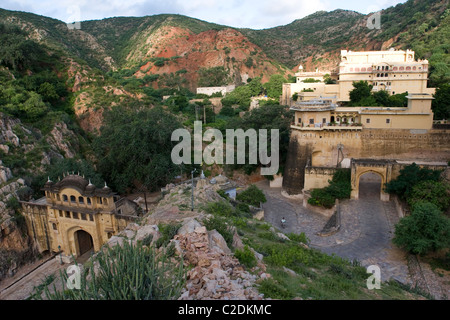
(75, 217)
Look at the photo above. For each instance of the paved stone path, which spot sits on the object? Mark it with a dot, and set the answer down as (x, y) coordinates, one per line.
(367, 227)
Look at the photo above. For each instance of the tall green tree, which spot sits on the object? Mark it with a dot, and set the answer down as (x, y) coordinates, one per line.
(362, 90)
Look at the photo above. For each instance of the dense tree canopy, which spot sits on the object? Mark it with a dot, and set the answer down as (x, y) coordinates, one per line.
(135, 146)
(274, 86)
(425, 230)
(408, 178)
(441, 102)
(16, 52)
(212, 77)
(362, 96)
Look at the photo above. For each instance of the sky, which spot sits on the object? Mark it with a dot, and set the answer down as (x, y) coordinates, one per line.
(254, 14)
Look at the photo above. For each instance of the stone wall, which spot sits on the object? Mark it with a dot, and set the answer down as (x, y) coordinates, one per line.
(318, 177)
(321, 147)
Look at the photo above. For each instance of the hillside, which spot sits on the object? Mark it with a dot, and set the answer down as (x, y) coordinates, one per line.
(315, 41)
(176, 45)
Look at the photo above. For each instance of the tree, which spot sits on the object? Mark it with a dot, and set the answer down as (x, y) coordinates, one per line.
(33, 108)
(16, 51)
(398, 100)
(242, 95)
(435, 192)
(213, 77)
(274, 87)
(408, 178)
(362, 90)
(382, 98)
(441, 102)
(253, 196)
(328, 80)
(135, 147)
(425, 230)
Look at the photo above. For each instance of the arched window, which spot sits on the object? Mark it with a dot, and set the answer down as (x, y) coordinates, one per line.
(81, 200)
(54, 226)
(105, 201)
(73, 199)
(65, 198)
(89, 201)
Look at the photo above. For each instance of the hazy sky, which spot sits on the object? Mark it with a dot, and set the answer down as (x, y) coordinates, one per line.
(255, 14)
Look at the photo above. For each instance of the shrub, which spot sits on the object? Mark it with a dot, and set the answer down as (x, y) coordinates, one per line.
(126, 272)
(13, 204)
(223, 194)
(268, 236)
(272, 289)
(426, 229)
(246, 257)
(321, 198)
(168, 231)
(302, 238)
(339, 188)
(221, 208)
(252, 196)
(287, 256)
(243, 209)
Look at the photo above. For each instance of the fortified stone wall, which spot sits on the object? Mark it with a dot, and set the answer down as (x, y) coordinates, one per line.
(321, 147)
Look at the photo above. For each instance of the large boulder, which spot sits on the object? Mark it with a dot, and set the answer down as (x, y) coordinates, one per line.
(217, 243)
(146, 231)
(189, 226)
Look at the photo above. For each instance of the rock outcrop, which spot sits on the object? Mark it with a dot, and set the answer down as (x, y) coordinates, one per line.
(216, 273)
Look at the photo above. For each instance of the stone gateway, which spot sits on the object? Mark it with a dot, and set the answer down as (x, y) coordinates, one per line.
(76, 217)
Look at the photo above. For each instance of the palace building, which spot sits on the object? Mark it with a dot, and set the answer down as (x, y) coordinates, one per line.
(76, 217)
(327, 136)
(395, 71)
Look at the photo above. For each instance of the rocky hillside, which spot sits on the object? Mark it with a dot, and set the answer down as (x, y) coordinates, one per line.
(315, 41)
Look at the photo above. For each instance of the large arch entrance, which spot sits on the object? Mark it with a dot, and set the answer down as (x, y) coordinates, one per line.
(83, 242)
(371, 172)
(370, 185)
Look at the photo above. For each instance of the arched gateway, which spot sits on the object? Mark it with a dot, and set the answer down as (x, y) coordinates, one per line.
(76, 217)
(84, 242)
(382, 168)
